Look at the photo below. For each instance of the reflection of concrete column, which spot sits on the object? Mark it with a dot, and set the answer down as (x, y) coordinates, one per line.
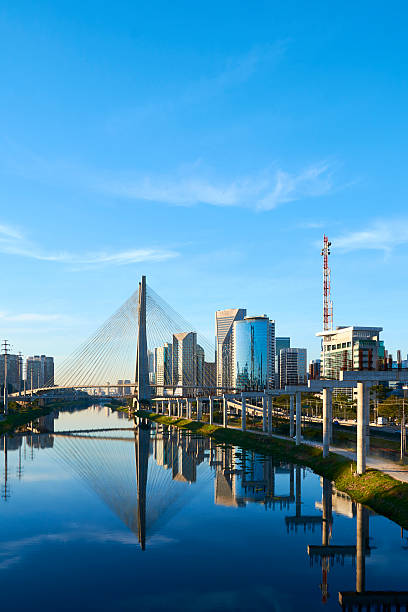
(361, 427)
(327, 401)
(264, 413)
(327, 511)
(243, 415)
(298, 492)
(291, 480)
(326, 528)
(298, 417)
(292, 416)
(211, 410)
(361, 544)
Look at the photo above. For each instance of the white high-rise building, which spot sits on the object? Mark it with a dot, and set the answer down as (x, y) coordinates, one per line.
(185, 362)
(293, 366)
(224, 320)
(164, 366)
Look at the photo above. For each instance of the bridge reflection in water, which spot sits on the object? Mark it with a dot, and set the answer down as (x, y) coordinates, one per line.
(142, 474)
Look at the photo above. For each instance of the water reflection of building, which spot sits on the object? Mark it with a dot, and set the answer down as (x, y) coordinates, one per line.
(244, 477)
(179, 452)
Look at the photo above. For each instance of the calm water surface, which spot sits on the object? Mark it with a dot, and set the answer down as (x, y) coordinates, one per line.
(156, 519)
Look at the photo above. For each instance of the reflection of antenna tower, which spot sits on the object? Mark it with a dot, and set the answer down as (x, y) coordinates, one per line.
(327, 303)
(20, 468)
(5, 347)
(5, 490)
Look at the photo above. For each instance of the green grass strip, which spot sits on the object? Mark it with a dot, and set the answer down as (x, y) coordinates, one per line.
(377, 490)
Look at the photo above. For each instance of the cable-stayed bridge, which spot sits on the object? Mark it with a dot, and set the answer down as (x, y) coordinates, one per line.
(118, 353)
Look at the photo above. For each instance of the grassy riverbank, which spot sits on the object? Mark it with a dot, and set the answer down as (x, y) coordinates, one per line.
(383, 494)
(22, 416)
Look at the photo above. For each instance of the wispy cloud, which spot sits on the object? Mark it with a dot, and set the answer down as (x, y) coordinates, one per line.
(13, 242)
(381, 235)
(31, 317)
(262, 192)
(227, 75)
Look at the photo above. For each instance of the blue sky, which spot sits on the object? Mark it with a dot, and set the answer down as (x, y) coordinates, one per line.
(208, 145)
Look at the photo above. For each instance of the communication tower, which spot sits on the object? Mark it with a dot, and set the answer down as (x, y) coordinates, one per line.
(327, 302)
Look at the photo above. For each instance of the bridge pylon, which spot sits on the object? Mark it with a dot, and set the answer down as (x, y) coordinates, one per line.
(142, 366)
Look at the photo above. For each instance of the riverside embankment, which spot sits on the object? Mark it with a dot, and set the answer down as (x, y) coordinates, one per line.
(377, 490)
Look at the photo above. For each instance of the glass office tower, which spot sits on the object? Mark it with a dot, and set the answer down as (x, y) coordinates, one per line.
(254, 353)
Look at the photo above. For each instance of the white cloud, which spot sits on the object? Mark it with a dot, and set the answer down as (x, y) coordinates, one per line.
(13, 242)
(381, 235)
(262, 192)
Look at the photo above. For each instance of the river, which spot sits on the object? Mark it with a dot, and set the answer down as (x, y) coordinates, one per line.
(159, 519)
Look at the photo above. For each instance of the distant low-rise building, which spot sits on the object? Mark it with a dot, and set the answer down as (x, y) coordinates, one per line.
(315, 369)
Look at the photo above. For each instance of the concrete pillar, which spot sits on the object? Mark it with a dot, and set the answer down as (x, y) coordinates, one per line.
(292, 416)
(224, 411)
(367, 419)
(361, 427)
(330, 417)
(243, 413)
(178, 407)
(264, 413)
(169, 407)
(327, 403)
(298, 417)
(211, 410)
(269, 414)
(199, 409)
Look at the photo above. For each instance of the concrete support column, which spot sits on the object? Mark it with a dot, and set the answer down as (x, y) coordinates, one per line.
(169, 407)
(264, 413)
(330, 417)
(367, 419)
(199, 409)
(224, 412)
(178, 407)
(361, 427)
(243, 414)
(327, 403)
(292, 416)
(270, 414)
(211, 410)
(298, 417)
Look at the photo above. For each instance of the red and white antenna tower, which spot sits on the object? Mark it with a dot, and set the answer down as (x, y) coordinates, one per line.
(327, 303)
